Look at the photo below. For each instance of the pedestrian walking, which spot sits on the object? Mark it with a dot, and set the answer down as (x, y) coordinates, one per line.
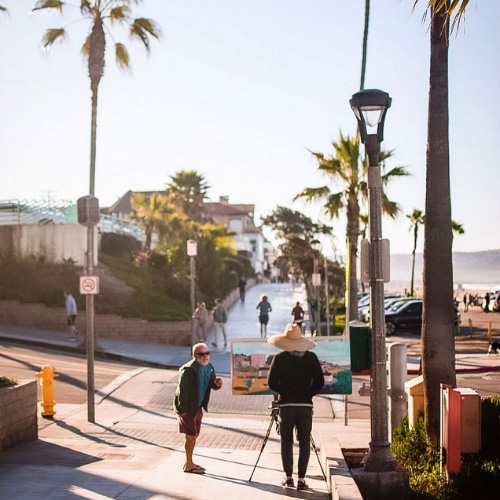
(296, 375)
(471, 300)
(265, 309)
(192, 395)
(71, 312)
(465, 302)
(219, 315)
(298, 315)
(201, 318)
(242, 285)
(487, 303)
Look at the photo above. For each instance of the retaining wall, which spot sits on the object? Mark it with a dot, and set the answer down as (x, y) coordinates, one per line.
(40, 317)
(18, 414)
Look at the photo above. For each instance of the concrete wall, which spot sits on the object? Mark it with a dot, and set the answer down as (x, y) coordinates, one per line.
(18, 419)
(39, 317)
(54, 242)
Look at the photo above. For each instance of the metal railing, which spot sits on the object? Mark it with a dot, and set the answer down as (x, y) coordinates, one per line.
(43, 212)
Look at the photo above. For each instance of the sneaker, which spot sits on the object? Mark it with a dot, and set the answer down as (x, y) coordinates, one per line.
(302, 485)
(287, 481)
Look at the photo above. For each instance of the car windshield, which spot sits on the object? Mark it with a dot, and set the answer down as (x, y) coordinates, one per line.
(398, 305)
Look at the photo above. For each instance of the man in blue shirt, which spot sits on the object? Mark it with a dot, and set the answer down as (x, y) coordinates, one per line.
(196, 380)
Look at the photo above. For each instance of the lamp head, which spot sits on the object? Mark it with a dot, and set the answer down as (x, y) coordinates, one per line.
(370, 107)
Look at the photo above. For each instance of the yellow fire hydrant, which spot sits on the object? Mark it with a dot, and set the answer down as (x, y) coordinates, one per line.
(46, 377)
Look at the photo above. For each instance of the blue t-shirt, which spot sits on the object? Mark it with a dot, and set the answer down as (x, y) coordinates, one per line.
(204, 373)
(264, 307)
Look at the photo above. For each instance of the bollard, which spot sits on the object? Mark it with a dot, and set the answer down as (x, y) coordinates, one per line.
(471, 328)
(46, 377)
(398, 371)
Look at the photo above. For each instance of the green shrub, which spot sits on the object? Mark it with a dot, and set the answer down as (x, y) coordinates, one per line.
(32, 280)
(490, 427)
(479, 477)
(7, 382)
(119, 244)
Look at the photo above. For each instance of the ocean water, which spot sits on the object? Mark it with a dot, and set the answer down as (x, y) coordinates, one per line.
(477, 286)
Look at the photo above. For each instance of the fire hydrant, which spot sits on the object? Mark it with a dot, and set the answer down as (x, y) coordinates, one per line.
(46, 377)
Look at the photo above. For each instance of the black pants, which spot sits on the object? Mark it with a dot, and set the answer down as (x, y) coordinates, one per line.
(299, 417)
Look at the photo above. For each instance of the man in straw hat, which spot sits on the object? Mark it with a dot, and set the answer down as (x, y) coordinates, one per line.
(296, 375)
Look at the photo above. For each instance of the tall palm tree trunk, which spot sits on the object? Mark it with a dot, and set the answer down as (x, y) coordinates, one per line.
(352, 237)
(93, 141)
(438, 353)
(365, 45)
(415, 237)
(412, 274)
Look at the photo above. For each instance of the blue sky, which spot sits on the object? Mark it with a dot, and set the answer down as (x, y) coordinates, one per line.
(240, 90)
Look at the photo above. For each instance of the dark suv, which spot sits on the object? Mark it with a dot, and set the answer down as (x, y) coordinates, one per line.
(408, 316)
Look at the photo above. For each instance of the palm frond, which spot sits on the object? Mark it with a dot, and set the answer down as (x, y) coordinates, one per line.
(393, 173)
(121, 56)
(450, 7)
(456, 227)
(143, 28)
(390, 208)
(48, 4)
(120, 14)
(334, 205)
(85, 7)
(86, 48)
(313, 194)
(51, 36)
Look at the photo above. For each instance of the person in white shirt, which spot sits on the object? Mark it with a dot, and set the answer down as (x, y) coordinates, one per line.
(71, 312)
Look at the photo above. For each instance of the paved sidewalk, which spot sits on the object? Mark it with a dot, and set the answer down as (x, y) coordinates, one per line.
(134, 450)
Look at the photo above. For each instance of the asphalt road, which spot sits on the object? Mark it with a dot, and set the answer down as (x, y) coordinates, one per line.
(23, 362)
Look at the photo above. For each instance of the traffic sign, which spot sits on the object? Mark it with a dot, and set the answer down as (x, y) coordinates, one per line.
(89, 285)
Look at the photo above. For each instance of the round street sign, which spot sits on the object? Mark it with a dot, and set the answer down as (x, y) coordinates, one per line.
(89, 285)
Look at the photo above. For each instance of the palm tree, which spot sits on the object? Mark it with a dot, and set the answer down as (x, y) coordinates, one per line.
(189, 189)
(99, 12)
(345, 166)
(152, 213)
(365, 45)
(438, 349)
(417, 218)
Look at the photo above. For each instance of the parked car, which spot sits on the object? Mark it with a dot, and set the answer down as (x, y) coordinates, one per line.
(365, 307)
(388, 304)
(496, 302)
(408, 316)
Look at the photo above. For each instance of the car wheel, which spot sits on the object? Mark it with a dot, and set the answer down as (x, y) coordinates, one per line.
(390, 328)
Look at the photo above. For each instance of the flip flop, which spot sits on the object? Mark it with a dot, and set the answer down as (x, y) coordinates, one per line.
(194, 470)
(199, 467)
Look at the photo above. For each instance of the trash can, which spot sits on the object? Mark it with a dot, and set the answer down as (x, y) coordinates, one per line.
(361, 346)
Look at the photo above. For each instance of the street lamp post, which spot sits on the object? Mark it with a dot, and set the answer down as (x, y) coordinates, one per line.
(316, 281)
(192, 251)
(327, 299)
(370, 108)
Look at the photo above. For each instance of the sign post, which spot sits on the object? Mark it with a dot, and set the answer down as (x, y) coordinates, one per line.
(88, 215)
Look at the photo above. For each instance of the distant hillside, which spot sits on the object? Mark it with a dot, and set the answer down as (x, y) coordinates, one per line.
(468, 268)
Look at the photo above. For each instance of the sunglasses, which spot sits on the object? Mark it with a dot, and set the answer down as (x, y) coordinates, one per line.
(207, 353)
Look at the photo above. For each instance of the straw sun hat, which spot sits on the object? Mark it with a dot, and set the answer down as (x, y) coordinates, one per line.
(291, 340)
